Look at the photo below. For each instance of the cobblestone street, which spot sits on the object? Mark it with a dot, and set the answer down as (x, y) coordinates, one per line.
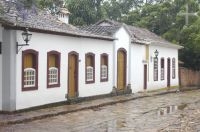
(176, 112)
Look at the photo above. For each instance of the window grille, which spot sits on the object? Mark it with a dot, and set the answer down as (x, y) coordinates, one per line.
(162, 76)
(29, 77)
(53, 75)
(89, 73)
(104, 70)
(173, 68)
(155, 69)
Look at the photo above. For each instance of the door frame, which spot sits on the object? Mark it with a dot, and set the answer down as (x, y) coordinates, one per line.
(77, 73)
(168, 72)
(125, 69)
(145, 77)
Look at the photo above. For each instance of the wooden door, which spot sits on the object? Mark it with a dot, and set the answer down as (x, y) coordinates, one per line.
(168, 72)
(72, 75)
(121, 69)
(145, 76)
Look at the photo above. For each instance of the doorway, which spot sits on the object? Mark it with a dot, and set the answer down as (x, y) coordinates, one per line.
(73, 75)
(145, 77)
(121, 69)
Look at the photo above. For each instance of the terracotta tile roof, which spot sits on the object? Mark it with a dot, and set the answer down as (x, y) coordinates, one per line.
(41, 20)
(103, 30)
(138, 35)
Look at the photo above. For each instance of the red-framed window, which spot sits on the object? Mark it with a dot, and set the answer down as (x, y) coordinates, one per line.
(162, 69)
(53, 69)
(173, 68)
(29, 70)
(155, 69)
(104, 67)
(90, 68)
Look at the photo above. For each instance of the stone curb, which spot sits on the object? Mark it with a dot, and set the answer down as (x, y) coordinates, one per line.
(29, 119)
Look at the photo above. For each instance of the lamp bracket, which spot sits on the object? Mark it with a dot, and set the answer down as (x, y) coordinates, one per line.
(20, 45)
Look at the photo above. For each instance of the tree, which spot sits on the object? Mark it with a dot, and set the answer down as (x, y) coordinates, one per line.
(84, 12)
(1, 10)
(52, 5)
(191, 41)
(112, 9)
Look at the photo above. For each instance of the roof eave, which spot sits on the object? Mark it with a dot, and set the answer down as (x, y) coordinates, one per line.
(12, 26)
(141, 42)
(168, 45)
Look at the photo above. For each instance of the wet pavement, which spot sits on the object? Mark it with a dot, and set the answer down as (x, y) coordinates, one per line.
(176, 112)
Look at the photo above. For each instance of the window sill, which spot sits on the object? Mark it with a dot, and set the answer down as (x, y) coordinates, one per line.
(53, 86)
(29, 88)
(104, 80)
(89, 82)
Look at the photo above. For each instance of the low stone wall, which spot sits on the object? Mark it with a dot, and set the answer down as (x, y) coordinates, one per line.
(188, 78)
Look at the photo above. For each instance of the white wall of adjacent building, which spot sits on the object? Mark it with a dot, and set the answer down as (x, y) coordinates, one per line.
(137, 66)
(165, 53)
(138, 57)
(122, 41)
(44, 43)
(1, 31)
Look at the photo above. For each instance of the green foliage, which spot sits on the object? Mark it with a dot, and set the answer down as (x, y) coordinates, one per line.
(165, 19)
(27, 3)
(162, 17)
(84, 12)
(1, 10)
(191, 41)
(52, 5)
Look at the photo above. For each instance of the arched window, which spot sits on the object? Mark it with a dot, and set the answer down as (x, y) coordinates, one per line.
(173, 68)
(162, 69)
(155, 69)
(90, 68)
(29, 70)
(104, 67)
(53, 69)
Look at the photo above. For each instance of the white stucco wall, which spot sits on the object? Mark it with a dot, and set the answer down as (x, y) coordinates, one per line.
(1, 70)
(63, 44)
(123, 41)
(165, 53)
(138, 53)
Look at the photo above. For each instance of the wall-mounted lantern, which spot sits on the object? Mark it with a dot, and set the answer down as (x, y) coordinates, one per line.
(26, 35)
(156, 53)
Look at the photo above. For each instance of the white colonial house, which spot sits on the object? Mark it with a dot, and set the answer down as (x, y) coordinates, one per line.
(149, 61)
(64, 63)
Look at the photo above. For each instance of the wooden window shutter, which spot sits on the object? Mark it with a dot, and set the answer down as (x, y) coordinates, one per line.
(52, 61)
(28, 61)
(104, 60)
(162, 63)
(89, 61)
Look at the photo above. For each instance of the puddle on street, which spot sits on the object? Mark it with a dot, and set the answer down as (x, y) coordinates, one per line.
(170, 109)
(182, 107)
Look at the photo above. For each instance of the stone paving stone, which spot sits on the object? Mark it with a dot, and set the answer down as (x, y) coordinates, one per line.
(134, 116)
(48, 112)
